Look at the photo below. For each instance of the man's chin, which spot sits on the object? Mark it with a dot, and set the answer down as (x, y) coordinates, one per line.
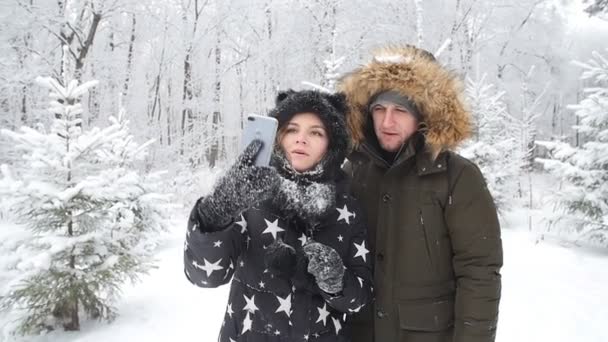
(391, 148)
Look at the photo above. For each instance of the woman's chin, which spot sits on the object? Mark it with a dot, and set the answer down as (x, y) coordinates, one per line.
(301, 167)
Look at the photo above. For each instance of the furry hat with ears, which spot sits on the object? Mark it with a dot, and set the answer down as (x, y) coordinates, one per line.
(331, 109)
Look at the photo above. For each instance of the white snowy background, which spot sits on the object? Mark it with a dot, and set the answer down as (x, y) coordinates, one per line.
(189, 71)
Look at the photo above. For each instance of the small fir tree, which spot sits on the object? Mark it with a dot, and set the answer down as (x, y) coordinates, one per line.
(494, 146)
(93, 218)
(582, 199)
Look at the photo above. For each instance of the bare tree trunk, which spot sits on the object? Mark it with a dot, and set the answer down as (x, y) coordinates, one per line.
(419, 22)
(240, 80)
(453, 31)
(187, 122)
(130, 55)
(187, 117)
(217, 141)
(93, 101)
(86, 45)
(168, 112)
(330, 48)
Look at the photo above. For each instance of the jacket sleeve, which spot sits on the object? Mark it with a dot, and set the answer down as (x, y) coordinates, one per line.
(357, 281)
(475, 234)
(210, 257)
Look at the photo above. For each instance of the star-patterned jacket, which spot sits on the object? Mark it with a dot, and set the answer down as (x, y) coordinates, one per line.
(264, 306)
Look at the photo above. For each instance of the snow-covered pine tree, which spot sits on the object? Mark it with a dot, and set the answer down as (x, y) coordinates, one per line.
(93, 218)
(494, 146)
(582, 199)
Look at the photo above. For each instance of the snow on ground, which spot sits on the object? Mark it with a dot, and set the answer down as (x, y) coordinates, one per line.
(551, 292)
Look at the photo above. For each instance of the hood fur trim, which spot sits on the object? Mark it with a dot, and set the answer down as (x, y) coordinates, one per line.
(436, 92)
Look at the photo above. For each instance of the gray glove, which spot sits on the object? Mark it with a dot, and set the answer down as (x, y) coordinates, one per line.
(240, 188)
(326, 265)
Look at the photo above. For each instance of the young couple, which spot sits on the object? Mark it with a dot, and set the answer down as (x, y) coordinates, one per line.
(400, 243)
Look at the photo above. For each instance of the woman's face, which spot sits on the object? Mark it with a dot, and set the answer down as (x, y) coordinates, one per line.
(304, 141)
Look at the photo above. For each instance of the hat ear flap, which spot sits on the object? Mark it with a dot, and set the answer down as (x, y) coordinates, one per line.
(282, 95)
(338, 101)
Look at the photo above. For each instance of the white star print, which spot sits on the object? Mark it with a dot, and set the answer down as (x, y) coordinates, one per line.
(361, 251)
(306, 337)
(262, 285)
(272, 228)
(323, 313)
(277, 333)
(243, 224)
(284, 305)
(360, 281)
(217, 243)
(357, 309)
(303, 239)
(251, 307)
(337, 325)
(208, 267)
(345, 214)
(242, 264)
(229, 311)
(340, 238)
(246, 324)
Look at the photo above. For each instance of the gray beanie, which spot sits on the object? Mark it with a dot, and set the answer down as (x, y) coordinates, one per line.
(393, 97)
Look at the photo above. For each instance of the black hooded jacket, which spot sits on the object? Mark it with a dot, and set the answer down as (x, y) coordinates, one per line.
(268, 304)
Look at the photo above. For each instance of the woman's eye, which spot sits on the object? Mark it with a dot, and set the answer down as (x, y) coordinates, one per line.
(290, 130)
(317, 133)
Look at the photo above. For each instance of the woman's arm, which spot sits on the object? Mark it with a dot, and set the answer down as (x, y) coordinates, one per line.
(211, 253)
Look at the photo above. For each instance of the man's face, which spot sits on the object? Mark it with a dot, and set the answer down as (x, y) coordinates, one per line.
(393, 125)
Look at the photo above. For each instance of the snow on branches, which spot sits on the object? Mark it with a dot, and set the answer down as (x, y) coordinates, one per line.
(582, 198)
(494, 147)
(92, 217)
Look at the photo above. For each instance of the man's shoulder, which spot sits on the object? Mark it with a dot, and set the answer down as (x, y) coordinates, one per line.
(461, 163)
(464, 169)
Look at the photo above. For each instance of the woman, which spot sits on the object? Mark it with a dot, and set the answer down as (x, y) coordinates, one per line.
(291, 235)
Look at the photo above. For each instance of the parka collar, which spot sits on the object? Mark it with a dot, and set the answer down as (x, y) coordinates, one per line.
(414, 148)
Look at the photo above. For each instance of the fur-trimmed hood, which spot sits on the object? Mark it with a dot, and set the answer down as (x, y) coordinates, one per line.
(414, 73)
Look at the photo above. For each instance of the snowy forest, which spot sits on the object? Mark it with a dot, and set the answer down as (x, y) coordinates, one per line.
(116, 115)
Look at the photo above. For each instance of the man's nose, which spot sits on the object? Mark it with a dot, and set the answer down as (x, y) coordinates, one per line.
(389, 117)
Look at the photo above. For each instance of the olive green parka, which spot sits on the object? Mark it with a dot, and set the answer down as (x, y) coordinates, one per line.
(433, 226)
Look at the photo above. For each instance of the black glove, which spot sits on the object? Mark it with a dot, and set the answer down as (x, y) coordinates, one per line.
(242, 186)
(326, 265)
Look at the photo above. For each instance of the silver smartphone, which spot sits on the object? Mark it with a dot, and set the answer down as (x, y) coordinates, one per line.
(263, 128)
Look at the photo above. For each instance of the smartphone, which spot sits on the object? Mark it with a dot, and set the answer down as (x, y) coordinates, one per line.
(263, 128)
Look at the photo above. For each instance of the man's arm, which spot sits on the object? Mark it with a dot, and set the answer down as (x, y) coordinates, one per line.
(475, 235)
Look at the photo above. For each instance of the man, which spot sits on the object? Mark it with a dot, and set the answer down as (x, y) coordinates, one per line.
(434, 231)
